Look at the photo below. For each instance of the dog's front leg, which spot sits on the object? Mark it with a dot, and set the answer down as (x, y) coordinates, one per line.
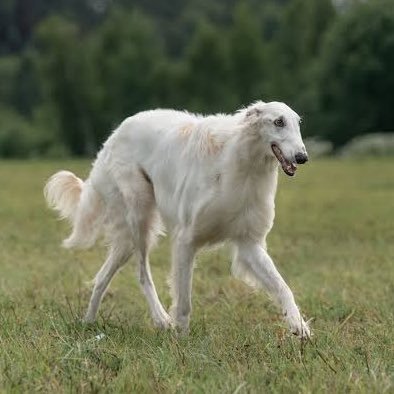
(257, 263)
(181, 281)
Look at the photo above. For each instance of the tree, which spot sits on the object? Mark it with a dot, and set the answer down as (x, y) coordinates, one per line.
(127, 55)
(64, 66)
(246, 56)
(206, 80)
(296, 47)
(356, 79)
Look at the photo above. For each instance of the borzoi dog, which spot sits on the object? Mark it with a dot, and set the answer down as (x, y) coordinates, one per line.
(208, 179)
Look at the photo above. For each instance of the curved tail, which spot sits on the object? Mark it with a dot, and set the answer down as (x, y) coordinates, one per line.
(78, 202)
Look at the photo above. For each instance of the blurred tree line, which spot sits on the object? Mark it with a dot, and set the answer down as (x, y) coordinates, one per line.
(71, 70)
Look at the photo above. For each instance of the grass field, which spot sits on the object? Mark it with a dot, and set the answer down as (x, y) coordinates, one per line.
(333, 241)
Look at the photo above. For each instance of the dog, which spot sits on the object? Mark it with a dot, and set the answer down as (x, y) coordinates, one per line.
(207, 179)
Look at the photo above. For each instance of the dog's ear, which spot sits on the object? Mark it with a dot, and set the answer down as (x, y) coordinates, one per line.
(254, 115)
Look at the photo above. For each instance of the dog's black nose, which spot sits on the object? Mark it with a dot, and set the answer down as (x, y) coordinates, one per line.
(301, 158)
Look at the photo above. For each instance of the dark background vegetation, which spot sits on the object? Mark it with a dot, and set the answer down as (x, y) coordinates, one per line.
(71, 70)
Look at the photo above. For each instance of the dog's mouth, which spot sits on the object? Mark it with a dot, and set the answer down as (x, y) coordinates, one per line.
(288, 167)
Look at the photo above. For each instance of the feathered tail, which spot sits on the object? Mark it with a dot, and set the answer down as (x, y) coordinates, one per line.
(78, 202)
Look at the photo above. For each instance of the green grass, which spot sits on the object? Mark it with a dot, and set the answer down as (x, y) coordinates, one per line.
(332, 240)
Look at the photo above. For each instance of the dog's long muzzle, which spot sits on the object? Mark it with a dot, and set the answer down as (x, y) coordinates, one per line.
(289, 167)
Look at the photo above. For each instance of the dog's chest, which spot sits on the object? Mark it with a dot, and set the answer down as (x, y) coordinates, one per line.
(239, 210)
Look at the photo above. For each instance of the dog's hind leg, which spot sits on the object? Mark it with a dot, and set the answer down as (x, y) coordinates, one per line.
(160, 317)
(120, 250)
(142, 218)
(118, 255)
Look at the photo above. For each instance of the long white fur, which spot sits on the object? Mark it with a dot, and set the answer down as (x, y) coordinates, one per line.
(62, 193)
(208, 178)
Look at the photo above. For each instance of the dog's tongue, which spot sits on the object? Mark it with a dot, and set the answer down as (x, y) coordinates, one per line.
(288, 167)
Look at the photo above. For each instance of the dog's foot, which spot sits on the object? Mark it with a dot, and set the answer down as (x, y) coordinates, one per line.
(163, 321)
(87, 319)
(182, 331)
(180, 324)
(297, 324)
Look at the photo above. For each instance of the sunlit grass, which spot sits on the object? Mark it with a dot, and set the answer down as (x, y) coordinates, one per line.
(332, 240)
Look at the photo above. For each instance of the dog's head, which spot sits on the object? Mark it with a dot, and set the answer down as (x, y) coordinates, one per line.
(279, 128)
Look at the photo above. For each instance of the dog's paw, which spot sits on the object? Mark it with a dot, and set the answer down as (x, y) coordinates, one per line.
(163, 322)
(297, 325)
(88, 319)
(181, 327)
(181, 331)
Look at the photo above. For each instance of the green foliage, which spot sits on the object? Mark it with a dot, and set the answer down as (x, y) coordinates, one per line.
(126, 56)
(64, 68)
(341, 275)
(16, 135)
(355, 81)
(19, 83)
(91, 64)
(296, 48)
(247, 55)
(9, 66)
(22, 138)
(207, 82)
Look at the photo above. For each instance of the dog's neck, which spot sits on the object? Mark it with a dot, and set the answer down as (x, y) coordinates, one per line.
(250, 174)
(248, 155)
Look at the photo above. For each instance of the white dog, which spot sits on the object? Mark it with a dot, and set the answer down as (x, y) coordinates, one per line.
(209, 179)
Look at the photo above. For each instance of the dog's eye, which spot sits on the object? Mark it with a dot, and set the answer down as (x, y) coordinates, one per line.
(279, 122)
